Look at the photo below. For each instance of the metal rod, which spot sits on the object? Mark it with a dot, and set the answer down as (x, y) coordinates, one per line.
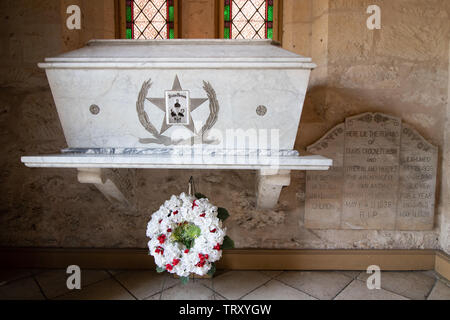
(191, 189)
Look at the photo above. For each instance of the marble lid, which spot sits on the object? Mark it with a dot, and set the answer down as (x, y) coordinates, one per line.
(193, 53)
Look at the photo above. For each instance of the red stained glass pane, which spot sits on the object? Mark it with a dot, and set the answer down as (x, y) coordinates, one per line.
(150, 19)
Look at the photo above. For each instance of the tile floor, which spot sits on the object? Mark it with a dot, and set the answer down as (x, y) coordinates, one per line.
(226, 285)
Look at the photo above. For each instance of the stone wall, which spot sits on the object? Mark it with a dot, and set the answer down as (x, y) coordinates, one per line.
(198, 19)
(44, 207)
(401, 69)
(98, 22)
(445, 194)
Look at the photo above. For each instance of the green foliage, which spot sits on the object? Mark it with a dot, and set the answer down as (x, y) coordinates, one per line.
(160, 270)
(184, 280)
(222, 214)
(227, 243)
(186, 234)
(192, 231)
(212, 270)
(199, 195)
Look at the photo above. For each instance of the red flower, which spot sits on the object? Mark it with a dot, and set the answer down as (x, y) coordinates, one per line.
(202, 261)
(217, 247)
(213, 230)
(186, 251)
(169, 267)
(175, 261)
(194, 204)
(162, 238)
(175, 212)
(203, 215)
(159, 250)
(169, 230)
(160, 221)
(203, 257)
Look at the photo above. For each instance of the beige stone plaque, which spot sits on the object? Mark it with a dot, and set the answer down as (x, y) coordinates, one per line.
(383, 177)
(418, 163)
(323, 188)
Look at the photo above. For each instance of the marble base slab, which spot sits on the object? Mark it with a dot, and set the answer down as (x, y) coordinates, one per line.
(313, 162)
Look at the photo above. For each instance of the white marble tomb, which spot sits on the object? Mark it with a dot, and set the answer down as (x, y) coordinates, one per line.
(193, 104)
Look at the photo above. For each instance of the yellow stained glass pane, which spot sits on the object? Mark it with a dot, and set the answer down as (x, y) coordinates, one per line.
(248, 19)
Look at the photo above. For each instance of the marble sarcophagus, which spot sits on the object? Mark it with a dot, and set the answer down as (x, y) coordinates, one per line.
(198, 104)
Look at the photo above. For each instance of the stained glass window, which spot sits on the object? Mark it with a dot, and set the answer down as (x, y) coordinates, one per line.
(248, 19)
(150, 19)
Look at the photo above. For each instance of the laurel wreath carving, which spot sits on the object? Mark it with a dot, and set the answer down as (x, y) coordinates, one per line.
(213, 110)
(164, 140)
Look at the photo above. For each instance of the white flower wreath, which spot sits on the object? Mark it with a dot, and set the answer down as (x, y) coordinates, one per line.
(186, 236)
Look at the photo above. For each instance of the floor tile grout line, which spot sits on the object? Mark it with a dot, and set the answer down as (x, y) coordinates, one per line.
(309, 294)
(387, 290)
(40, 288)
(215, 292)
(220, 295)
(351, 281)
(304, 292)
(432, 288)
(172, 285)
(345, 287)
(443, 280)
(290, 286)
(355, 277)
(123, 286)
(212, 284)
(90, 284)
(5, 283)
(163, 288)
(266, 282)
(109, 272)
(176, 284)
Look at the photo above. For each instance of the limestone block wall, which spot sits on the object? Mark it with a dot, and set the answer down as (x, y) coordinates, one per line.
(98, 21)
(198, 19)
(402, 69)
(444, 207)
(388, 70)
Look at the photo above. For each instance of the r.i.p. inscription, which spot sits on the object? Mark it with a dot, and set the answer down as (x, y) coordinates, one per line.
(371, 160)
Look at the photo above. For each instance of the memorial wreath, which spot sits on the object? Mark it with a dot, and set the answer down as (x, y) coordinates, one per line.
(187, 237)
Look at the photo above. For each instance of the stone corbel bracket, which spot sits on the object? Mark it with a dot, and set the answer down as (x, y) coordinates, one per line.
(110, 183)
(269, 185)
(115, 174)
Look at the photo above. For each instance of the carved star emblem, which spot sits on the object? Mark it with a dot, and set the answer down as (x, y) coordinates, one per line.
(161, 104)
